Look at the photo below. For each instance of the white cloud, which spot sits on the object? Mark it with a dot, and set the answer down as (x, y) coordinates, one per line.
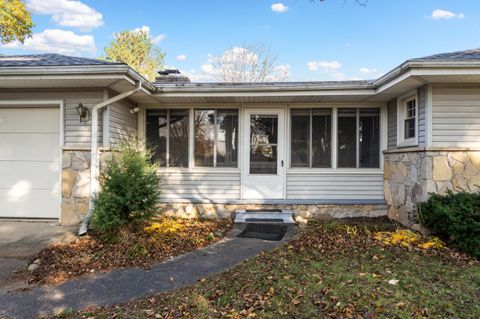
(325, 66)
(181, 57)
(279, 7)
(57, 41)
(146, 29)
(68, 13)
(280, 73)
(367, 70)
(339, 76)
(440, 14)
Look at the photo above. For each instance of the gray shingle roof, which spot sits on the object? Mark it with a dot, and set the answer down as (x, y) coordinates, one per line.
(50, 59)
(466, 55)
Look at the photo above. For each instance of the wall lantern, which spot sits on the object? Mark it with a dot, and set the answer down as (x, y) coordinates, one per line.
(83, 112)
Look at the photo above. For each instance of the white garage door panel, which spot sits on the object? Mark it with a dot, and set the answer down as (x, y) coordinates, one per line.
(30, 162)
(26, 147)
(30, 174)
(28, 204)
(29, 120)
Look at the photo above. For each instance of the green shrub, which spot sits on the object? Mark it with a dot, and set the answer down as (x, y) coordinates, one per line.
(455, 216)
(130, 187)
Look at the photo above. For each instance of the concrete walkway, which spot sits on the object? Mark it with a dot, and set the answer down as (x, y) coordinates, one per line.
(21, 240)
(123, 285)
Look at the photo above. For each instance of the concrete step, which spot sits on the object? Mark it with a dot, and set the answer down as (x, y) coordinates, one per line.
(283, 216)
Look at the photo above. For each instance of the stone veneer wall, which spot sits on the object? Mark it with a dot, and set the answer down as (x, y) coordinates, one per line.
(301, 212)
(411, 176)
(75, 186)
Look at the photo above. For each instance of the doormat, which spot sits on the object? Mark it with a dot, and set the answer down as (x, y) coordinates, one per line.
(272, 232)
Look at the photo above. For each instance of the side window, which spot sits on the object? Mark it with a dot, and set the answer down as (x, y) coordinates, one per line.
(410, 118)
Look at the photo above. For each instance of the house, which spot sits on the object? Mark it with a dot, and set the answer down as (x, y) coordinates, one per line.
(349, 148)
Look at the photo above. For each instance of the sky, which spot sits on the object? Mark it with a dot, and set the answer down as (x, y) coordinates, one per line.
(312, 40)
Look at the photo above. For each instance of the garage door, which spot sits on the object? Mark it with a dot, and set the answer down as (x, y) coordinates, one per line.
(29, 162)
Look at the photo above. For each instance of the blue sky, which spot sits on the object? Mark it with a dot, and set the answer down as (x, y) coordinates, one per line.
(331, 40)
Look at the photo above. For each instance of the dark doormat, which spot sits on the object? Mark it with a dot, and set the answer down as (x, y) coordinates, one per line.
(273, 232)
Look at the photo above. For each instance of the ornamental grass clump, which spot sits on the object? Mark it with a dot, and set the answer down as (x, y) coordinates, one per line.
(455, 216)
(130, 187)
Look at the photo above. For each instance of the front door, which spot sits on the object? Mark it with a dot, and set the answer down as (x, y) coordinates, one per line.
(263, 149)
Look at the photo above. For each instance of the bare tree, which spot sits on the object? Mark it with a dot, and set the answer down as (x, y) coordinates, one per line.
(247, 63)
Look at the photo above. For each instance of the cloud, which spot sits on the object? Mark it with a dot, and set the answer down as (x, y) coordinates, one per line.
(339, 76)
(57, 41)
(279, 7)
(68, 13)
(181, 57)
(280, 73)
(440, 14)
(146, 29)
(325, 66)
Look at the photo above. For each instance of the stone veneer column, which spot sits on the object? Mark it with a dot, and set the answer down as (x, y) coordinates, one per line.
(410, 176)
(75, 186)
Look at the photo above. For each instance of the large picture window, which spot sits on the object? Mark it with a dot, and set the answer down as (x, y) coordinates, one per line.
(358, 138)
(216, 138)
(311, 138)
(167, 135)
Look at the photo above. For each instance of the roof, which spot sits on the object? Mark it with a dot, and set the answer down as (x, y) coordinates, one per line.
(457, 56)
(50, 59)
(285, 85)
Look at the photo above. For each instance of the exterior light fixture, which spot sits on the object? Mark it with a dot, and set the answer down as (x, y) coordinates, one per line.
(83, 112)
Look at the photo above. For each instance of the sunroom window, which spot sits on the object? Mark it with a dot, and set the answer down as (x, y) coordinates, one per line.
(358, 138)
(167, 135)
(216, 137)
(311, 138)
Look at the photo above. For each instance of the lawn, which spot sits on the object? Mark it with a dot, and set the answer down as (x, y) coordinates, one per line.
(330, 271)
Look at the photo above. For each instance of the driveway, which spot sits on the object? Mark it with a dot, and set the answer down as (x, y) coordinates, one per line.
(21, 240)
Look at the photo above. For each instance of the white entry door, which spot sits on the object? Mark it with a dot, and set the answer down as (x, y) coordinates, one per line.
(264, 150)
(30, 162)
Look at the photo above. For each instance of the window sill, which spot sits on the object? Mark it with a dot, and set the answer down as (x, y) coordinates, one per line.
(199, 170)
(407, 143)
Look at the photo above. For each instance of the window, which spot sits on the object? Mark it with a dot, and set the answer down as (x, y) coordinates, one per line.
(263, 144)
(167, 135)
(311, 138)
(358, 138)
(216, 138)
(407, 119)
(410, 115)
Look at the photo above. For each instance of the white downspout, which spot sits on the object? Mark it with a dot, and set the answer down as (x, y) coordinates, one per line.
(94, 158)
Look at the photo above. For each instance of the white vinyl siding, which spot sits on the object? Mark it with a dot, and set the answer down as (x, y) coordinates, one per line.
(76, 134)
(422, 124)
(456, 116)
(197, 185)
(123, 124)
(392, 123)
(335, 185)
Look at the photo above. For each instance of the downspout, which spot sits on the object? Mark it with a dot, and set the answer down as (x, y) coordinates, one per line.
(94, 166)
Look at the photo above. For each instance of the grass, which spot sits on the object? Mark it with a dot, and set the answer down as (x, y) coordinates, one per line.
(330, 271)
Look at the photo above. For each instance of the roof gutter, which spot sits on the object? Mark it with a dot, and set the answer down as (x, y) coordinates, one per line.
(94, 160)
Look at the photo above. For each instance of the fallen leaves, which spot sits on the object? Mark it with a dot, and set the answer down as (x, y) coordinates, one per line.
(408, 239)
(164, 238)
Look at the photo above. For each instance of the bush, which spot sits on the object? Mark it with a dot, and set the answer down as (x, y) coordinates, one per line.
(130, 187)
(455, 216)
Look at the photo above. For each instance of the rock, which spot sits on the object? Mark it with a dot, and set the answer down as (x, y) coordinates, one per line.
(459, 156)
(32, 267)
(218, 234)
(301, 222)
(441, 169)
(79, 163)
(37, 261)
(68, 180)
(82, 185)
(66, 160)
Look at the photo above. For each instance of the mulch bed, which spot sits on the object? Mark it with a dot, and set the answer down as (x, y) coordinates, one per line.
(161, 240)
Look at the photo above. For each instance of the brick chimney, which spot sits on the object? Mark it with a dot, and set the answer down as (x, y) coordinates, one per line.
(171, 76)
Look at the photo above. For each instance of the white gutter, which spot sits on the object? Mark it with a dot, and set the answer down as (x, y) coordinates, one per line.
(94, 166)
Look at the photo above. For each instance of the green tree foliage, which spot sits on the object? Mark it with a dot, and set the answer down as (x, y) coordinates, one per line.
(457, 217)
(136, 49)
(15, 21)
(130, 187)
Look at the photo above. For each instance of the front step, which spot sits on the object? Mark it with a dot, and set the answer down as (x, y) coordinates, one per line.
(284, 216)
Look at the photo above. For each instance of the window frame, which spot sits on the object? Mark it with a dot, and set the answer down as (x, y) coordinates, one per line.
(310, 137)
(383, 134)
(215, 138)
(402, 117)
